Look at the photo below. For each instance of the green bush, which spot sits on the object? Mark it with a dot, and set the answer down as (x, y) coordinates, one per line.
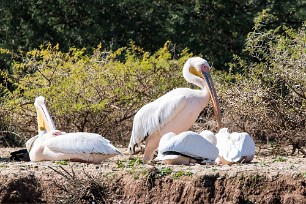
(96, 93)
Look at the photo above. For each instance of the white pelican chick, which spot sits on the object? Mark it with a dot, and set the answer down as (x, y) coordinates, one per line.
(186, 148)
(234, 147)
(176, 111)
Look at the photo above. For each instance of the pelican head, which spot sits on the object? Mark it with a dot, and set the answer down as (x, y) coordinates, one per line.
(197, 71)
(44, 120)
(224, 131)
(209, 135)
(166, 137)
(40, 100)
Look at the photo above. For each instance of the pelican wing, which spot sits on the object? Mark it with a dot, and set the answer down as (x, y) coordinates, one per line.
(81, 142)
(243, 145)
(190, 144)
(153, 116)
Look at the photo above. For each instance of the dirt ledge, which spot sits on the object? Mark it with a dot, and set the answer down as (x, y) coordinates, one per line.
(214, 188)
(263, 181)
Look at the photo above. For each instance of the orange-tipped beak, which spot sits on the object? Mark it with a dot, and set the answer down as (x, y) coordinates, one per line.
(212, 91)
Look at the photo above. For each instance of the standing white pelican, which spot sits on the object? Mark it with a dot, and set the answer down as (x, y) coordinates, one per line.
(53, 144)
(234, 147)
(185, 148)
(175, 111)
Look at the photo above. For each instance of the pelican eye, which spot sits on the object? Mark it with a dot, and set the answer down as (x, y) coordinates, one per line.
(56, 133)
(205, 68)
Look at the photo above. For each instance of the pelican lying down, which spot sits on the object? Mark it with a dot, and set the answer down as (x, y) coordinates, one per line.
(234, 147)
(78, 146)
(222, 148)
(187, 147)
(52, 144)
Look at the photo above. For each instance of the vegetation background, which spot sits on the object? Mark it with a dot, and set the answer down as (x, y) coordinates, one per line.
(97, 62)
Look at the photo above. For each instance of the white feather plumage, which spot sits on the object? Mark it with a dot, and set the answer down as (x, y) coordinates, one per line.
(153, 116)
(79, 146)
(188, 143)
(235, 147)
(81, 142)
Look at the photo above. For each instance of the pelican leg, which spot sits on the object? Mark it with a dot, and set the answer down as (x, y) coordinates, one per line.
(151, 146)
(222, 161)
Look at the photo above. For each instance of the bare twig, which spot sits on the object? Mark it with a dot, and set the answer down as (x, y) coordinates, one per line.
(9, 132)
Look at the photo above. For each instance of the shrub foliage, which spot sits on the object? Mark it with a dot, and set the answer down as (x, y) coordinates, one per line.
(95, 93)
(268, 98)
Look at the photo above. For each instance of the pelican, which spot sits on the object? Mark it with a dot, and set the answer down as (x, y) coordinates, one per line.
(78, 146)
(234, 147)
(186, 148)
(52, 144)
(176, 111)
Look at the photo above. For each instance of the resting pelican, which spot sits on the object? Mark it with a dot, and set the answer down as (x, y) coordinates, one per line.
(234, 147)
(78, 146)
(175, 111)
(52, 144)
(185, 148)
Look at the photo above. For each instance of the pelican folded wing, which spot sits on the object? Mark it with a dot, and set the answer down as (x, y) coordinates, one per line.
(78, 143)
(191, 144)
(154, 116)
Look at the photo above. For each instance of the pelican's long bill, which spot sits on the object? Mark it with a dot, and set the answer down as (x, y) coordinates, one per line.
(44, 120)
(212, 91)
